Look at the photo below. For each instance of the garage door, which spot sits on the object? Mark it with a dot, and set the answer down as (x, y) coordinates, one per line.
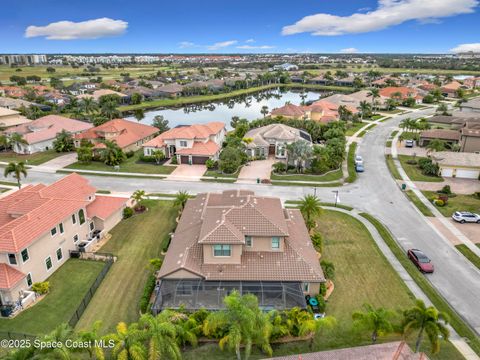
(446, 172)
(199, 160)
(184, 159)
(467, 174)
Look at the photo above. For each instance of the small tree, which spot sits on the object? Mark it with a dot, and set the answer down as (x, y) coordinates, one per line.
(310, 207)
(63, 142)
(328, 269)
(160, 123)
(181, 199)
(136, 98)
(137, 197)
(264, 110)
(158, 155)
(377, 321)
(17, 169)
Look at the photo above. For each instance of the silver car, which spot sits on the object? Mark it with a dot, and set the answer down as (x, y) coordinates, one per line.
(465, 216)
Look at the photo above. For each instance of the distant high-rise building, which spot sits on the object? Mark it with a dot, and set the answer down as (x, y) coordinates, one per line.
(26, 59)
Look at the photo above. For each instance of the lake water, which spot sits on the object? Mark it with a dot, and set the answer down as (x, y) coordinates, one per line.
(247, 107)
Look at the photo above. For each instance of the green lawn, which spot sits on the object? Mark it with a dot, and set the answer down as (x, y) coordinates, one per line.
(310, 184)
(409, 135)
(134, 241)
(128, 166)
(360, 269)
(353, 128)
(369, 127)
(218, 173)
(469, 254)
(33, 159)
(414, 172)
(331, 176)
(352, 174)
(392, 168)
(69, 285)
(457, 203)
(416, 201)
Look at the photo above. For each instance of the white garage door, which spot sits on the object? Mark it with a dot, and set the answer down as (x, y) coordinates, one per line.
(447, 172)
(467, 174)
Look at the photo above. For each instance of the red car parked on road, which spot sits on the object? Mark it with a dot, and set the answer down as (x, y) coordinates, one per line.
(421, 261)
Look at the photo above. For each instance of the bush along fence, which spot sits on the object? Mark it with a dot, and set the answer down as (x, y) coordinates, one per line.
(109, 260)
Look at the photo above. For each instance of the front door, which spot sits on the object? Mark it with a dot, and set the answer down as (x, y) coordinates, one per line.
(271, 150)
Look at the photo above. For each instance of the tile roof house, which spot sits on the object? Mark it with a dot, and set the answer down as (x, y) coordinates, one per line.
(462, 165)
(41, 224)
(97, 94)
(127, 134)
(449, 136)
(325, 111)
(171, 90)
(40, 133)
(193, 144)
(472, 105)
(11, 118)
(237, 240)
(402, 91)
(450, 89)
(273, 140)
(289, 111)
(16, 104)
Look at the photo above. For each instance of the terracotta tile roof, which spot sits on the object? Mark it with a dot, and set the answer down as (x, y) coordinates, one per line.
(97, 94)
(209, 148)
(123, 132)
(289, 110)
(9, 277)
(452, 86)
(32, 211)
(104, 206)
(197, 131)
(442, 134)
(227, 218)
(404, 91)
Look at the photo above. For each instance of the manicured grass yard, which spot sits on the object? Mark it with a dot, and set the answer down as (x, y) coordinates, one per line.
(416, 201)
(218, 173)
(68, 285)
(414, 172)
(352, 174)
(362, 275)
(469, 254)
(353, 128)
(134, 241)
(331, 176)
(457, 203)
(130, 165)
(33, 159)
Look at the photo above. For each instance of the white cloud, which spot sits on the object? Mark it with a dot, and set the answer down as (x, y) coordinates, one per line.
(186, 44)
(69, 30)
(475, 47)
(351, 50)
(250, 41)
(253, 47)
(220, 45)
(388, 13)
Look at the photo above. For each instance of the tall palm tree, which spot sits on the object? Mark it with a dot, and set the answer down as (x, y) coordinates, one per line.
(17, 169)
(184, 325)
(161, 337)
(374, 93)
(60, 334)
(426, 320)
(315, 327)
(88, 105)
(365, 108)
(435, 145)
(181, 199)
(109, 109)
(128, 342)
(112, 154)
(378, 321)
(63, 142)
(3, 141)
(16, 141)
(34, 112)
(243, 323)
(310, 207)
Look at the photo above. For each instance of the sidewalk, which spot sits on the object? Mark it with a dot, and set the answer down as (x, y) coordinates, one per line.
(411, 185)
(460, 344)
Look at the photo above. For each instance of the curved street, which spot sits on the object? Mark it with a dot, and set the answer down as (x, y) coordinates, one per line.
(375, 192)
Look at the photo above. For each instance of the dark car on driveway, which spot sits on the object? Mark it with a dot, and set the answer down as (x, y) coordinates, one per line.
(421, 261)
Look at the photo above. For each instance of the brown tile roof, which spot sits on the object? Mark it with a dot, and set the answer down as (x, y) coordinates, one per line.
(208, 148)
(404, 91)
(227, 218)
(398, 350)
(9, 277)
(104, 206)
(442, 134)
(288, 110)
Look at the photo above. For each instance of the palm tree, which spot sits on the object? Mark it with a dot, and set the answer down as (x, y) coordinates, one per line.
(374, 93)
(242, 323)
(426, 319)
(443, 109)
(138, 196)
(63, 142)
(364, 108)
(17, 169)
(264, 110)
(310, 207)
(34, 112)
(92, 336)
(435, 145)
(344, 113)
(161, 335)
(315, 327)
(16, 141)
(4, 143)
(60, 334)
(299, 152)
(375, 320)
(184, 325)
(181, 199)
(112, 154)
(128, 342)
(109, 109)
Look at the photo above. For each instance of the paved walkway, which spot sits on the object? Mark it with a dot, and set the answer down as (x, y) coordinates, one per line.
(444, 221)
(460, 344)
(458, 186)
(258, 169)
(58, 163)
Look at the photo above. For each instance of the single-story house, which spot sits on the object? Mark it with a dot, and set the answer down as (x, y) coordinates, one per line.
(449, 136)
(170, 90)
(403, 93)
(128, 135)
(472, 105)
(450, 89)
(97, 94)
(11, 118)
(193, 144)
(41, 133)
(16, 104)
(458, 164)
(273, 140)
(289, 111)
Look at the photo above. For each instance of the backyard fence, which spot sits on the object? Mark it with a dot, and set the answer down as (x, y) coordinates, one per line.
(109, 259)
(11, 335)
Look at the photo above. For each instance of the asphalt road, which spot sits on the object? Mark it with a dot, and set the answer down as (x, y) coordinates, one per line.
(374, 192)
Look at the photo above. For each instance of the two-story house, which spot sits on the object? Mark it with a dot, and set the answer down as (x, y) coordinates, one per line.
(40, 225)
(237, 240)
(192, 144)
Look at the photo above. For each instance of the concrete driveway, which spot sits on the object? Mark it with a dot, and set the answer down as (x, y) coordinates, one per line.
(58, 163)
(256, 169)
(188, 172)
(458, 186)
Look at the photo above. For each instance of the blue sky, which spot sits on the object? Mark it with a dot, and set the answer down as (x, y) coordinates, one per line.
(214, 26)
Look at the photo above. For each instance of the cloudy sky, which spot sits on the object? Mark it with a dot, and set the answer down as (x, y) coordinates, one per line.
(214, 26)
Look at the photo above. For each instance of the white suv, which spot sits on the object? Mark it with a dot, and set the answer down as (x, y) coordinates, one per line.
(465, 216)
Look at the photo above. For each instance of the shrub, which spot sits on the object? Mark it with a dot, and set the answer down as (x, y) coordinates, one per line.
(147, 293)
(147, 158)
(477, 194)
(446, 190)
(317, 241)
(328, 269)
(279, 167)
(439, 202)
(323, 289)
(444, 198)
(127, 212)
(174, 160)
(130, 153)
(322, 304)
(41, 287)
(412, 162)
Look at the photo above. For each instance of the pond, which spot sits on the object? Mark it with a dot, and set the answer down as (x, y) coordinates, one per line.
(248, 107)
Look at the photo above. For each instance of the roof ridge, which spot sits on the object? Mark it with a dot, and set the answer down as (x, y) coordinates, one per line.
(275, 225)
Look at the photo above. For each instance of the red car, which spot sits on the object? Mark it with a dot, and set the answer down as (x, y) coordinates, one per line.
(421, 261)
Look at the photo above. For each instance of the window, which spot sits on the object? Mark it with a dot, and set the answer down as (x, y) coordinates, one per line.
(75, 238)
(275, 242)
(60, 226)
(306, 287)
(53, 231)
(81, 216)
(183, 143)
(25, 255)
(74, 219)
(248, 241)
(48, 263)
(59, 254)
(222, 250)
(29, 279)
(92, 226)
(12, 259)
